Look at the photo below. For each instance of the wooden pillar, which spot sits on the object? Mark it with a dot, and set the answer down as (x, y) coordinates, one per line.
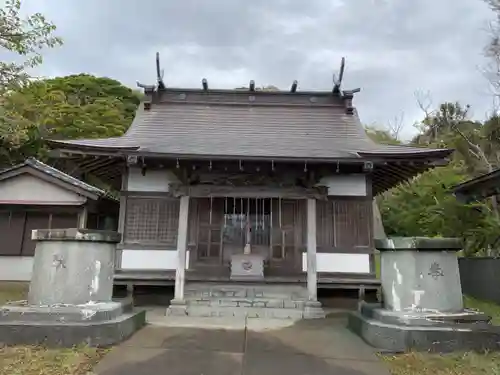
(312, 281)
(82, 218)
(181, 249)
(121, 219)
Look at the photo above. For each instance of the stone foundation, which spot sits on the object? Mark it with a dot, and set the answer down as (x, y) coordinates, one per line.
(439, 337)
(69, 301)
(101, 324)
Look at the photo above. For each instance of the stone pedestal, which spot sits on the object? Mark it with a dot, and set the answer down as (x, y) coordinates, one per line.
(247, 267)
(423, 303)
(70, 297)
(72, 266)
(420, 274)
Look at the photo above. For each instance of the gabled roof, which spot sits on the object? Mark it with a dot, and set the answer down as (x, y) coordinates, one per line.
(242, 124)
(51, 174)
(478, 188)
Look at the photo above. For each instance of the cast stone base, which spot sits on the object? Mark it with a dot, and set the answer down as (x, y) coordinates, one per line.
(177, 308)
(392, 332)
(313, 310)
(99, 324)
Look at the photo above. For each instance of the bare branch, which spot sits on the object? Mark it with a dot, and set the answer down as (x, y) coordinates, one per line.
(474, 154)
(424, 101)
(396, 126)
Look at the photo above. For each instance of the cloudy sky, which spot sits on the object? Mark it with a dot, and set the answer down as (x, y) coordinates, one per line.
(393, 47)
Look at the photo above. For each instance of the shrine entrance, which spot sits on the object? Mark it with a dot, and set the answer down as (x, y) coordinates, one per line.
(272, 228)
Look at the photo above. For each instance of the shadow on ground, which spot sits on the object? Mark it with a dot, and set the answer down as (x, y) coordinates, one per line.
(320, 347)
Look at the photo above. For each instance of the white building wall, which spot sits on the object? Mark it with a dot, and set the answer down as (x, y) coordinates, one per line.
(341, 263)
(150, 259)
(153, 180)
(20, 189)
(345, 185)
(15, 268)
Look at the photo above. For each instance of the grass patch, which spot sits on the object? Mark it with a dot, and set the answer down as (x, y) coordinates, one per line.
(444, 364)
(13, 291)
(34, 360)
(37, 360)
(488, 308)
(377, 264)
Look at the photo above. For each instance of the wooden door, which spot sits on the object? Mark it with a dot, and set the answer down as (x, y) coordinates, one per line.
(208, 242)
(288, 236)
(11, 232)
(34, 220)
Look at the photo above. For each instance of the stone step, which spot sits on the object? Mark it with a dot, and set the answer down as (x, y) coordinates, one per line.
(257, 303)
(248, 312)
(218, 295)
(246, 291)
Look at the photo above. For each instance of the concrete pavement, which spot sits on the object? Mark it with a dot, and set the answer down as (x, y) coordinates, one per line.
(242, 346)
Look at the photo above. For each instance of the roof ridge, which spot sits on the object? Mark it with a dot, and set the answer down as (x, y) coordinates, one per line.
(253, 104)
(56, 173)
(247, 91)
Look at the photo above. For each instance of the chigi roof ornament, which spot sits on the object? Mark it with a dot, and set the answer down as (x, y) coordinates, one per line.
(337, 82)
(346, 95)
(159, 73)
(159, 78)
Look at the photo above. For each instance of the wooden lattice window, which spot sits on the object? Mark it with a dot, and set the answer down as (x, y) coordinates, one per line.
(152, 221)
(343, 224)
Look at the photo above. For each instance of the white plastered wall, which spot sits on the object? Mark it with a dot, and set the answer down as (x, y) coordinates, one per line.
(345, 185)
(339, 263)
(353, 185)
(153, 180)
(15, 268)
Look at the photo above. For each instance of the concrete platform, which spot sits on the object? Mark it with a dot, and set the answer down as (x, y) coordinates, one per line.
(101, 324)
(442, 338)
(243, 346)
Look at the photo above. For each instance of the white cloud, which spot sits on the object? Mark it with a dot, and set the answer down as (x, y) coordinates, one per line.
(392, 47)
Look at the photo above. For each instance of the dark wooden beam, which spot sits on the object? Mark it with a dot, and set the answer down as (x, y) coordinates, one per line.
(101, 165)
(201, 191)
(85, 161)
(98, 165)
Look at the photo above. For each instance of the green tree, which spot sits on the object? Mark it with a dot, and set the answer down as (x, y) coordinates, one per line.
(450, 126)
(380, 135)
(426, 207)
(23, 37)
(76, 106)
